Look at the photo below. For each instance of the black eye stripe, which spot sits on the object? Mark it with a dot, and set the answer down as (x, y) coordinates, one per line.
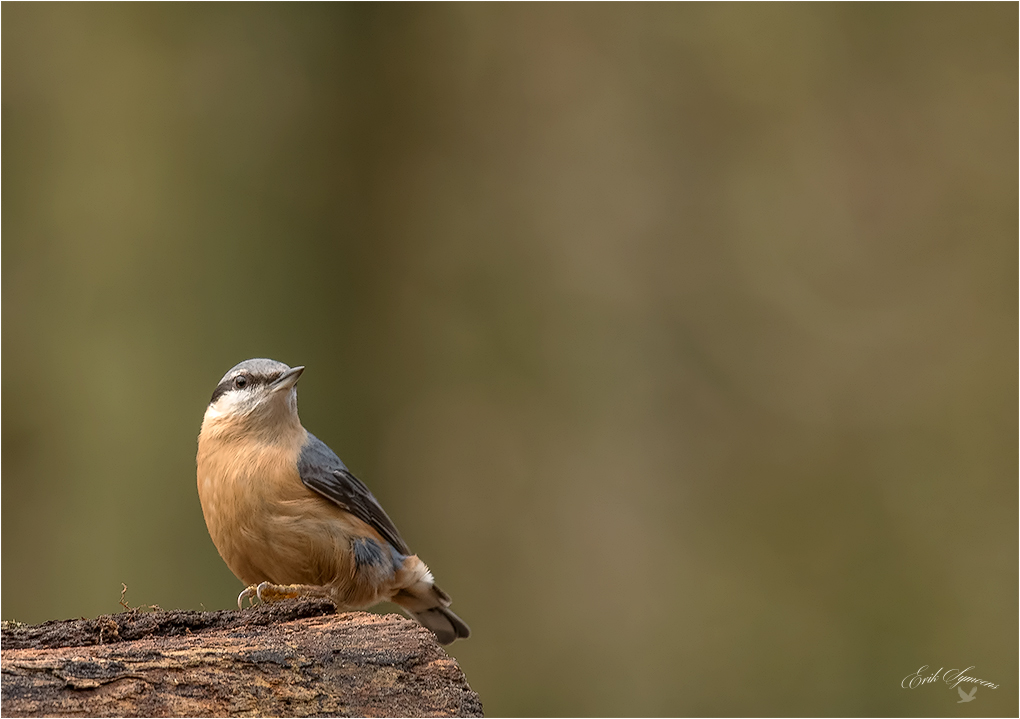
(221, 390)
(251, 381)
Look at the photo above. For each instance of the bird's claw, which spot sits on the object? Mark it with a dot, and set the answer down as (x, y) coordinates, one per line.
(249, 593)
(269, 592)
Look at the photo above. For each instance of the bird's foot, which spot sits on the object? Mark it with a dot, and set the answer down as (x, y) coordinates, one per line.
(269, 592)
(249, 593)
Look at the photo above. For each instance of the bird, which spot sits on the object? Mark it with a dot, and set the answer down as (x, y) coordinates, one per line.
(290, 519)
(965, 697)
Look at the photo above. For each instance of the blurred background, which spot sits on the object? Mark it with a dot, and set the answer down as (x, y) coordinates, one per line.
(680, 340)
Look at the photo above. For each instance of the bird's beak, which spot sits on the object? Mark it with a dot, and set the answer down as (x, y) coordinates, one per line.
(287, 380)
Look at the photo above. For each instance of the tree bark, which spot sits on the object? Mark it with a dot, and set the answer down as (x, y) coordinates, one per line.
(293, 658)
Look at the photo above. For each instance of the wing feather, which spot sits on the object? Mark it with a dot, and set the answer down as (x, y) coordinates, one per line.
(323, 472)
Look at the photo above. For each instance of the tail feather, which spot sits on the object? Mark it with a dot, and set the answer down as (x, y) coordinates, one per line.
(427, 603)
(446, 625)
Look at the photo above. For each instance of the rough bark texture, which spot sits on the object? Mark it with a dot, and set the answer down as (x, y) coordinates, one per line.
(294, 658)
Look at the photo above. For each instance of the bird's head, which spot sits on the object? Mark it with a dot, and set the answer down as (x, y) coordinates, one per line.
(257, 395)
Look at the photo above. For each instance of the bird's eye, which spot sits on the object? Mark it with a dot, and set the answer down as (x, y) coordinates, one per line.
(240, 381)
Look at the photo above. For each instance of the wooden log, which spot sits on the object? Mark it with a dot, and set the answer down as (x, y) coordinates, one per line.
(293, 658)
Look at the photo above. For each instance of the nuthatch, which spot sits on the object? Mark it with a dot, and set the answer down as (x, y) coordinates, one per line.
(290, 519)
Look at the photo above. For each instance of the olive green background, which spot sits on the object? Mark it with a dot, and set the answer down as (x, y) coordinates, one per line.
(679, 340)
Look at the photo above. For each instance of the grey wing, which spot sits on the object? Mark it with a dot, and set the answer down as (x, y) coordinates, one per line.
(323, 472)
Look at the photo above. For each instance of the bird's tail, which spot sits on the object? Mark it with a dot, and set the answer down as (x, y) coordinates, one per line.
(429, 605)
(446, 625)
